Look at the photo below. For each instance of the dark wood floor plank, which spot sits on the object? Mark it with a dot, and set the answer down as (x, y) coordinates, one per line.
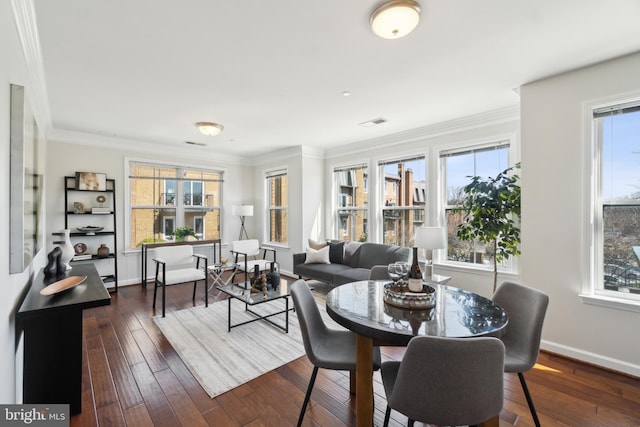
(184, 408)
(138, 416)
(151, 354)
(157, 404)
(151, 386)
(111, 415)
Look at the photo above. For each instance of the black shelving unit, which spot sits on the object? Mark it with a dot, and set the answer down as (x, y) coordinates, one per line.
(85, 215)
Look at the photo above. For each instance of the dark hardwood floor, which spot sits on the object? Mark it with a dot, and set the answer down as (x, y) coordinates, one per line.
(132, 376)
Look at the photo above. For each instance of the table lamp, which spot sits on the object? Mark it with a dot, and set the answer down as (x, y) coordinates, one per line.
(242, 211)
(430, 238)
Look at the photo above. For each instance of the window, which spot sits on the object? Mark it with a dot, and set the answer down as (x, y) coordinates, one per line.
(458, 167)
(353, 201)
(404, 184)
(163, 198)
(617, 196)
(278, 201)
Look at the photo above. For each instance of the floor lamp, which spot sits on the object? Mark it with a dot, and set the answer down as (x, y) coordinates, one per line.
(242, 211)
(430, 238)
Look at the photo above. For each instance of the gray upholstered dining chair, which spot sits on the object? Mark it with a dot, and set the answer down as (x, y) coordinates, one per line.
(526, 308)
(379, 272)
(446, 381)
(325, 347)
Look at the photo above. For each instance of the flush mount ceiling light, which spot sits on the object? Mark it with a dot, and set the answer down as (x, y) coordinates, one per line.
(209, 128)
(395, 19)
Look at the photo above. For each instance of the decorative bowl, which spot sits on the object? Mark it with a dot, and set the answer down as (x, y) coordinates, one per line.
(399, 295)
(89, 229)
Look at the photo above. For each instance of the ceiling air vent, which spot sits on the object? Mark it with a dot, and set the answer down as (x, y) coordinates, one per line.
(199, 144)
(373, 122)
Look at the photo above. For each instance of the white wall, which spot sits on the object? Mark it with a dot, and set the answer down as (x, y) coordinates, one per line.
(12, 71)
(555, 216)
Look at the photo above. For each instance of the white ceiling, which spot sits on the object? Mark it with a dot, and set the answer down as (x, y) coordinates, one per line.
(273, 72)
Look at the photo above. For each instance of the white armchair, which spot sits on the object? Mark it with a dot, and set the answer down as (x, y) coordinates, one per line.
(175, 265)
(242, 250)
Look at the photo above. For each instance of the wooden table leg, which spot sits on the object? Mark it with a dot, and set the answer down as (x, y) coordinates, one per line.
(364, 381)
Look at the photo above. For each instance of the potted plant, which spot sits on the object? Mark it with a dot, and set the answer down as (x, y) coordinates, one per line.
(491, 209)
(181, 234)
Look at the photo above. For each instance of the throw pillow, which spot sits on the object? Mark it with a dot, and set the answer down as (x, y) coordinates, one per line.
(320, 256)
(316, 245)
(336, 252)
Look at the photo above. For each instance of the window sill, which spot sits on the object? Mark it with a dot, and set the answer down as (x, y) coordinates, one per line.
(611, 302)
(473, 269)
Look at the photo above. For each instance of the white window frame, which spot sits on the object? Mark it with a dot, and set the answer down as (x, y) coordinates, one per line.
(511, 268)
(179, 210)
(268, 174)
(592, 293)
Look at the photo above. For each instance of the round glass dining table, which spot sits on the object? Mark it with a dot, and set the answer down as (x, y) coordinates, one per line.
(360, 307)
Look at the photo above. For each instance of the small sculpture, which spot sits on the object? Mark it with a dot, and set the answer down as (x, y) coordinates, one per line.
(55, 265)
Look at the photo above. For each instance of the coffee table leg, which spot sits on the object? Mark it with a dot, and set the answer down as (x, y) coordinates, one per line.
(229, 317)
(286, 316)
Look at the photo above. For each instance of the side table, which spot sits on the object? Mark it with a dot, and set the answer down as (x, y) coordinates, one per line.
(217, 270)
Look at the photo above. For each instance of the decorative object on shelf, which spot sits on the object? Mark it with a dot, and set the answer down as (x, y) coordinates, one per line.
(242, 211)
(401, 296)
(101, 199)
(78, 208)
(51, 269)
(67, 248)
(430, 238)
(63, 285)
(91, 181)
(90, 230)
(103, 251)
(80, 248)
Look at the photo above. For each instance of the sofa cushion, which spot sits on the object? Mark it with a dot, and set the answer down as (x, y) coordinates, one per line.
(370, 254)
(324, 272)
(350, 255)
(320, 256)
(336, 252)
(316, 245)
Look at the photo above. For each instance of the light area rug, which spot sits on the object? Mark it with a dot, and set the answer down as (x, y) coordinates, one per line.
(221, 360)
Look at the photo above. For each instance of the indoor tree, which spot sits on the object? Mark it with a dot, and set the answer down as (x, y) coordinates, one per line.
(491, 209)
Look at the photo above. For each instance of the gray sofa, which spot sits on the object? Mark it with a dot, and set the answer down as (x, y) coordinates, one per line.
(354, 264)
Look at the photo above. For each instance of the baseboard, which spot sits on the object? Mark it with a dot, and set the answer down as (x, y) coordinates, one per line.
(592, 358)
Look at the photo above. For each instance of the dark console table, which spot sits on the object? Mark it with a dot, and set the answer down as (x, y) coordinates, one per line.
(52, 327)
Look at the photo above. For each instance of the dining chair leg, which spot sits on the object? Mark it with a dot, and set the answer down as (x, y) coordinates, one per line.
(387, 414)
(308, 395)
(411, 422)
(529, 400)
(195, 283)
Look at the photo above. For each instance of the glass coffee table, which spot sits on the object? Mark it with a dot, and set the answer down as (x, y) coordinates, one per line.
(242, 292)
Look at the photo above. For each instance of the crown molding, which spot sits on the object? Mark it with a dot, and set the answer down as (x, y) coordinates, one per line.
(25, 19)
(488, 118)
(130, 145)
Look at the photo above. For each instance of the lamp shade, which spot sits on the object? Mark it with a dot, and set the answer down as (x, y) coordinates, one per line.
(395, 19)
(430, 238)
(242, 210)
